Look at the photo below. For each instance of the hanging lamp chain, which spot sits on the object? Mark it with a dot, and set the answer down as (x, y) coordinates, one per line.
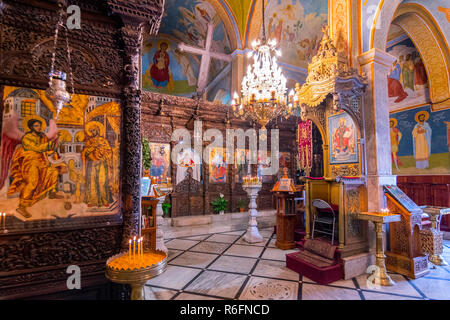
(264, 23)
(61, 15)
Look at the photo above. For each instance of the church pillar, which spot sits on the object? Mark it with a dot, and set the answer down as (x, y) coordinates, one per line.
(376, 64)
(238, 71)
(131, 106)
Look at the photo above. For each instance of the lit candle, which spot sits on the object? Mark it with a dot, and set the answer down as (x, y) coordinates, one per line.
(139, 247)
(134, 245)
(129, 248)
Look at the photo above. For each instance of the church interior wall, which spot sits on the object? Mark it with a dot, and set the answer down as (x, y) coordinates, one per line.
(177, 112)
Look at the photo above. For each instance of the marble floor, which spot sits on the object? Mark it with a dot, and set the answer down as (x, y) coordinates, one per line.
(224, 266)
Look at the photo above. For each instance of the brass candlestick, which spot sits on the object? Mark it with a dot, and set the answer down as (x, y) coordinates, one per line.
(379, 218)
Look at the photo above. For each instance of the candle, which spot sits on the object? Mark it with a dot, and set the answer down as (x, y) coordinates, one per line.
(129, 248)
(134, 246)
(142, 246)
(139, 247)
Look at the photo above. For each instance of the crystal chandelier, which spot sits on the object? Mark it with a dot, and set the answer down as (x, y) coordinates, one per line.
(264, 87)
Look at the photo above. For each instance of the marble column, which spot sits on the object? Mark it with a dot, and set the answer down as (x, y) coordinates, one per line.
(377, 64)
(160, 222)
(252, 235)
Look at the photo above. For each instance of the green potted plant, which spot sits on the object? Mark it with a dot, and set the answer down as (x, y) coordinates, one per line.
(241, 205)
(146, 156)
(165, 208)
(220, 204)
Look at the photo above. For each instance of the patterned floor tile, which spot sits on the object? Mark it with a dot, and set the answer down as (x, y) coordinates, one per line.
(194, 259)
(174, 277)
(181, 244)
(245, 251)
(275, 269)
(173, 253)
(433, 289)
(258, 244)
(190, 296)
(269, 289)
(385, 296)
(401, 286)
(224, 238)
(233, 264)
(202, 237)
(210, 247)
(218, 284)
(319, 292)
(276, 254)
(153, 293)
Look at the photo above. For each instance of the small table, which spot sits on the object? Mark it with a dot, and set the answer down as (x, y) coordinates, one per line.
(381, 277)
(436, 214)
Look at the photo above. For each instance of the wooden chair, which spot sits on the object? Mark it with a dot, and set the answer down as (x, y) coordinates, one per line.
(322, 215)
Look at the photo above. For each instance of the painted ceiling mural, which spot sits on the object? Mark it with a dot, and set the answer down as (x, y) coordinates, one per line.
(166, 68)
(296, 25)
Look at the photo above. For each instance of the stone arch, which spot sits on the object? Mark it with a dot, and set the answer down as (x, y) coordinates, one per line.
(380, 26)
(424, 32)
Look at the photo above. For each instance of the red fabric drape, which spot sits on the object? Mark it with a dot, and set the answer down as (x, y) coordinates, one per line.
(305, 144)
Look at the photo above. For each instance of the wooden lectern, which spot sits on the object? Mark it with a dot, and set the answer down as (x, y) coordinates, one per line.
(405, 253)
(287, 219)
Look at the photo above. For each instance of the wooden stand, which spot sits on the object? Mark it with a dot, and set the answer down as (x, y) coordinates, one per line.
(286, 220)
(405, 255)
(149, 232)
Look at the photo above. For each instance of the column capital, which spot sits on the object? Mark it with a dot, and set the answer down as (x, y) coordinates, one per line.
(377, 56)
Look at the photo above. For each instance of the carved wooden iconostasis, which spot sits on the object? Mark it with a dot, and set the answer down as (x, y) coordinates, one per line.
(193, 192)
(331, 99)
(69, 185)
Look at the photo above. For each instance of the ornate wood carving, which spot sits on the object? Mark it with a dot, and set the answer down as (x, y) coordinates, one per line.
(27, 44)
(179, 111)
(105, 55)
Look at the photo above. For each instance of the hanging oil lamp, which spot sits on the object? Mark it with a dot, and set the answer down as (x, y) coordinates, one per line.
(57, 92)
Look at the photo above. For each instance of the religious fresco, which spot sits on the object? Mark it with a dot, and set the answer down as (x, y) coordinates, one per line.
(285, 160)
(408, 81)
(218, 169)
(188, 158)
(342, 139)
(167, 69)
(160, 153)
(241, 162)
(59, 168)
(296, 25)
(420, 141)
